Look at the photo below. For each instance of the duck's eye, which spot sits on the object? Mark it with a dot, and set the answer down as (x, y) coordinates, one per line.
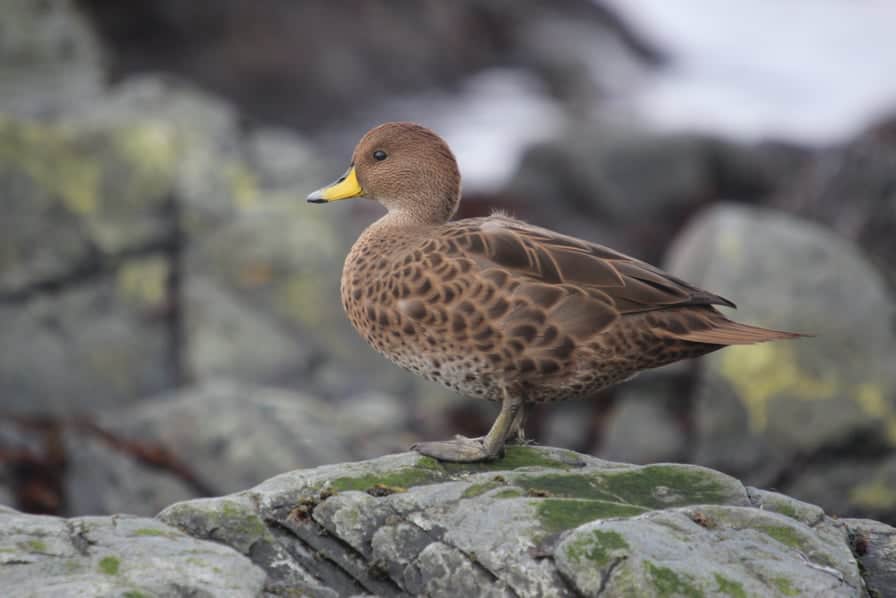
(379, 155)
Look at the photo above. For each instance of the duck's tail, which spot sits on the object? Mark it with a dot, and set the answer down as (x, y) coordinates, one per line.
(728, 332)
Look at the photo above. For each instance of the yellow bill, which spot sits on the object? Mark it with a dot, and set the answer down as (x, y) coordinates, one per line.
(345, 187)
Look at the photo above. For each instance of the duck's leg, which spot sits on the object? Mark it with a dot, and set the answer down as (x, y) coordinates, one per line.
(467, 450)
(516, 434)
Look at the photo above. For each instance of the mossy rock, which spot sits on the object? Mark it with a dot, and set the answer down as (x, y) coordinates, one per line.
(539, 521)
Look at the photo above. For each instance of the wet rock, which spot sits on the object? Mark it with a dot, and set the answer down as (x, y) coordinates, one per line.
(49, 58)
(116, 556)
(539, 522)
(758, 408)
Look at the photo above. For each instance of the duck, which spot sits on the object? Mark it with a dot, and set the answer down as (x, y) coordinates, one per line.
(498, 309)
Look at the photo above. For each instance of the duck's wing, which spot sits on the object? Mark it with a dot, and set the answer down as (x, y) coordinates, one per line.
(533, 254)
(577, 288)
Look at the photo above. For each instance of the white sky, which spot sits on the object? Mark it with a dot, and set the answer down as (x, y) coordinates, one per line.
(815, 71)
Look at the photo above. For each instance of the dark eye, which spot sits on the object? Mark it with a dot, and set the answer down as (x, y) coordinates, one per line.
(379, 155)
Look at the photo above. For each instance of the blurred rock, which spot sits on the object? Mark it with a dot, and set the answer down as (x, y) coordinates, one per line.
(850, 485)
(116, 556)
(874, 544)
(259, 59)
(102, 342)
(49, 58)
(645, 425)
(632, 189)
(852, 190)
(217, 438)
(761, 409)
(77, 193)
(565, 424)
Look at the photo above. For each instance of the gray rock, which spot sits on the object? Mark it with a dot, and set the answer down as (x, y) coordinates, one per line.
(219, 329)
(645, 426)
(89, 257)
(758, 407)
(103, 478)
(116, 556)
(77, 194)
(654, 555)
(6, 495)
(94, 346)
(852, 190)
(590, 181)
(540, 522)
(851, 485)
(49, 58)
(874, 544)
(216, 438)
(566, 424)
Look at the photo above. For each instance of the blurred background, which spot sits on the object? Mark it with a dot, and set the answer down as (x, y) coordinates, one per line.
(170, 324)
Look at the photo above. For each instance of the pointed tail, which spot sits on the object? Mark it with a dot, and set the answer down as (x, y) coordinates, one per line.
(728, 332)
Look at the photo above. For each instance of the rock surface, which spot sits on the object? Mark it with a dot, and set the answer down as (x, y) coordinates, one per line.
(874, 544)
(538, 522)
(120, 555)
(49, 58)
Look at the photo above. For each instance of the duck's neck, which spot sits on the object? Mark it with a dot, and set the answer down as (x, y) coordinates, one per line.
(405, 220)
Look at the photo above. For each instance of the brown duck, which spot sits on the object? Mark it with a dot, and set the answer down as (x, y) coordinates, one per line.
(497, 309)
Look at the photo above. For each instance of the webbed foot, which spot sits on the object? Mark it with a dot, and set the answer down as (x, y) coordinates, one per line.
(460, 450)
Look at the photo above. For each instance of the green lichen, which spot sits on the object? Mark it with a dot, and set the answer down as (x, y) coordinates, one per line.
(49, 157)
(480, 489)
(33, 545)
(559, 514)
(650, 487)
(93, 171)
(509, 493)
(875, 494)
(237, 518)
(144, 281)
(148, 531)
(762, 373)
(405, 477)
(786, 509)
(598, 547)
(109, 565)
(668, 583)
(428, 463)
(243, 185)
(514, 457)
(148, 152)
(783, 534)
(134, 594)
(729, 587)
(785, 587)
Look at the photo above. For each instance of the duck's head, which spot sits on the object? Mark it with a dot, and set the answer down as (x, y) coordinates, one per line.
(405, 167)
